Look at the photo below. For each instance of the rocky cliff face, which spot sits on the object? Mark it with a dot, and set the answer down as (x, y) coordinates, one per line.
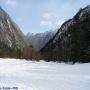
(10, 33)
(72, 41)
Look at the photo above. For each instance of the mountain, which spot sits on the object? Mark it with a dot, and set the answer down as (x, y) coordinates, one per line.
(71, 43)
(38, 40)
(11, 37)
(10, 33)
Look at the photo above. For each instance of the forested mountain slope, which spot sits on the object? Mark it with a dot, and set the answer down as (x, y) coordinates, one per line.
(72, 41)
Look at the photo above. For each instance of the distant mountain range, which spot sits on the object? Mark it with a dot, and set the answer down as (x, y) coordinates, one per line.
(72, 40)
(38, 40)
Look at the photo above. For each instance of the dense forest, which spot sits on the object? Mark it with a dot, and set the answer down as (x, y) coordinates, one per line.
(27, 53)
(72, 41)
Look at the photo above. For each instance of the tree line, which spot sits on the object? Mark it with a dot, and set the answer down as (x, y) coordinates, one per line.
(27, 53)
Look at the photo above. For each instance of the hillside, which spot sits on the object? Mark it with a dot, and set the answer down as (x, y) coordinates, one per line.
(10, 33)
(72, 41)
(11, 37)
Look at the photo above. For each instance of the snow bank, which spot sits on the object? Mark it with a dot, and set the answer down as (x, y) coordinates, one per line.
(30, 75)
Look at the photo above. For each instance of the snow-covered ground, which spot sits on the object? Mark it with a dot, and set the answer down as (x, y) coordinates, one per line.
(28, 75)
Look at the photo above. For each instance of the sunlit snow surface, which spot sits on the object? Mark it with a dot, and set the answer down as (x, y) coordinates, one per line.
(30, 75)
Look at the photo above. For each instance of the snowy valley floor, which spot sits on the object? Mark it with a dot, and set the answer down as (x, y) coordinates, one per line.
(27, 75)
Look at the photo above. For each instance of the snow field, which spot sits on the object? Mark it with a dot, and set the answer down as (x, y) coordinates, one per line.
(31, 75)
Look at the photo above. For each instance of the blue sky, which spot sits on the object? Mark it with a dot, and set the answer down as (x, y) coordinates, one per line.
(41, 15)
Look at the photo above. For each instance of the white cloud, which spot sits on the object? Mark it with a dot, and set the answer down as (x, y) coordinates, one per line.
(46, 23)
(11, 3)
(51, 21)
(46, 15)
(51, 25)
